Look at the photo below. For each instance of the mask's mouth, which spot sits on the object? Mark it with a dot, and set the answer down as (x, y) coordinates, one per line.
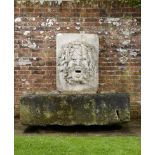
(78, 71)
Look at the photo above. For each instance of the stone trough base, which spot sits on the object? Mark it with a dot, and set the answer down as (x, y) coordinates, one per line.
(61, 109)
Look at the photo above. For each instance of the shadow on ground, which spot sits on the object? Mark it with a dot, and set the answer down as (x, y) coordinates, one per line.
(131, 128)
(71, 129)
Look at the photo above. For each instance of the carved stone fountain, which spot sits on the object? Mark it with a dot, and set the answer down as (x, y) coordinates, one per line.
(76, 100)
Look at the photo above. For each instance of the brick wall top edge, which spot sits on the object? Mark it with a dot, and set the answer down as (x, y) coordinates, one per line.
(85, 3)
(105, 7)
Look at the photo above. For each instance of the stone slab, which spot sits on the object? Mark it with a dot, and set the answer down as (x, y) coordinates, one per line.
(61, 109)
(77, 62)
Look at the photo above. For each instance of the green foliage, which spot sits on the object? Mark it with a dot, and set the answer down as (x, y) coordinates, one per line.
(134, 3)
(77, 145)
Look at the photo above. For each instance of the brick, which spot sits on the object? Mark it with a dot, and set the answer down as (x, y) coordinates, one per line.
(37, 72)
(25, 10)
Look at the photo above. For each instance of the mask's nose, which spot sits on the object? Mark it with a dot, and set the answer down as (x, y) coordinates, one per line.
(77, 62)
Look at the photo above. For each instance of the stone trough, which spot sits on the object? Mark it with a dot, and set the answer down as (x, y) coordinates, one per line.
(73, 109)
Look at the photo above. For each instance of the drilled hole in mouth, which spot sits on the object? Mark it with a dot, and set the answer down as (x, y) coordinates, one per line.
(78, 71)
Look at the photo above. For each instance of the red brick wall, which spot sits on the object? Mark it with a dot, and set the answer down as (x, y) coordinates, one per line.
(118, 28)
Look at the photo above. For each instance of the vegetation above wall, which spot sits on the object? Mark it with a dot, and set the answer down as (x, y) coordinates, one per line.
(133, 3)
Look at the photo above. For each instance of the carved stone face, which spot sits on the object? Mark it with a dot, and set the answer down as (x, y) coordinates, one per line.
(77, 66)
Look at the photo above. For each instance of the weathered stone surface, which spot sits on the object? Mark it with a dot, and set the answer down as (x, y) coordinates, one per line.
(77, 62)
(61, 109)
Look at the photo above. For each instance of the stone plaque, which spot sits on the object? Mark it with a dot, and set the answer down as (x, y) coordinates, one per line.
(77, 62)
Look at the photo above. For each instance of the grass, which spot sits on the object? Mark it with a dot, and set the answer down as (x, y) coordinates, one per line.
(77, 145)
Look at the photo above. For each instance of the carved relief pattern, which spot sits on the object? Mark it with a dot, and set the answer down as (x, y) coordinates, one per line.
(77, 65)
